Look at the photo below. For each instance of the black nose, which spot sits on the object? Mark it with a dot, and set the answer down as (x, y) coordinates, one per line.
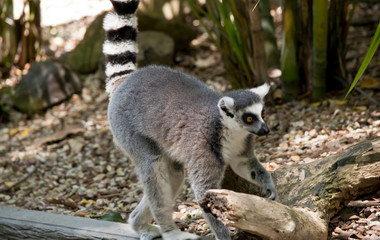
(264, 130)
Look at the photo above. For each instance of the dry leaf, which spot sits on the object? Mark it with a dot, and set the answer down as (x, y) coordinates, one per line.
(61, 134)
(8, 184)
(13, 132)
(359, 108)
(84, 201)
(25, 132)
(315, 104)
(337, 101)
(269, 167)
(369, 83)
(81, 214)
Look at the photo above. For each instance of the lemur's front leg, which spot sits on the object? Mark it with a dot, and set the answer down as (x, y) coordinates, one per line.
(252, 170)
(208, 175)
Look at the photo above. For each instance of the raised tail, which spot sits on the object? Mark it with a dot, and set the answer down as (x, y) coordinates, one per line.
(120, 47)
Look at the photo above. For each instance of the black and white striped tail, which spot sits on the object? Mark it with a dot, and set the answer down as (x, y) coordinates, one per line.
(120, 46)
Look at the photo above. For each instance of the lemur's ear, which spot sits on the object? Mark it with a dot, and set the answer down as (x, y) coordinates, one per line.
(261, 90)
(226, 104)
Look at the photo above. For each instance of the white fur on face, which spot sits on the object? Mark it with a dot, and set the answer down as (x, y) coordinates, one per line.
(261, 90)
(256, 109)
(233, 138)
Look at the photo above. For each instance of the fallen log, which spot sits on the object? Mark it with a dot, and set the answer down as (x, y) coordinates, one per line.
(309, 195)
(262, 217)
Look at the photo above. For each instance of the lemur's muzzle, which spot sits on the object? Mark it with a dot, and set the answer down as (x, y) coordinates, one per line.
(264, 130)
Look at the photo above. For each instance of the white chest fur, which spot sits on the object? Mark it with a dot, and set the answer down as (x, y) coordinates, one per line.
(233, 142)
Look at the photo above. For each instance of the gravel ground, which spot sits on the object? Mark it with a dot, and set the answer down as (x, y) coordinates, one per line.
(64, 160)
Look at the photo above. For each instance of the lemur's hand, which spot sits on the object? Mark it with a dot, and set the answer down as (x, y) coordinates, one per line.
(269, 190)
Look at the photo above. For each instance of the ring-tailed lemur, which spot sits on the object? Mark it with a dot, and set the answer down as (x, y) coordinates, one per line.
(165, 120)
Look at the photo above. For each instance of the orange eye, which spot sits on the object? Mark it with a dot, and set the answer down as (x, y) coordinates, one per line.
(263, 114)
(249, 118)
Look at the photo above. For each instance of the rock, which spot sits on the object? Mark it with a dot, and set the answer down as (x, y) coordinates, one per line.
(284, 146)
(76, 145)
(313, 133)
(46, 84)
(86, 56)
(181, 33)
(154, 48)
(295, 158)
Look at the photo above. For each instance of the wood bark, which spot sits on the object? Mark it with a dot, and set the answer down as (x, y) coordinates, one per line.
(258, 45)
(264, 218)
(289, 61)
(17, 223)
(309, 195)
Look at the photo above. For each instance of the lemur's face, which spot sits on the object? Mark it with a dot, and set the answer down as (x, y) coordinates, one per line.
(252, 119)
(245, 110)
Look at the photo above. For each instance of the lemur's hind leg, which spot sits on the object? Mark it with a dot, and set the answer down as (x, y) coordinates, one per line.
(141, 216)
(177, 176)
(139, 220)
(153, 169)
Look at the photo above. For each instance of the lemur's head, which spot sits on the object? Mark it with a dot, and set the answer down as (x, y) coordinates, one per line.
(245, 109)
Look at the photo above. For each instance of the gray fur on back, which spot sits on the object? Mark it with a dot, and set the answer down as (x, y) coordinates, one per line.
(154, 107)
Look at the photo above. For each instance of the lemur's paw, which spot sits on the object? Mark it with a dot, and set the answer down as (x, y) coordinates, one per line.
(149, 232)
(178, 235)
(269, 191)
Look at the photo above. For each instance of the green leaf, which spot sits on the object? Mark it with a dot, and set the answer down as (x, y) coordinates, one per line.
(113, 217)
(367, 59)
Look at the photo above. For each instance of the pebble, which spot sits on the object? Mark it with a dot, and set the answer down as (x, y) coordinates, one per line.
(295, 158)
(313, 133)
(284, 146)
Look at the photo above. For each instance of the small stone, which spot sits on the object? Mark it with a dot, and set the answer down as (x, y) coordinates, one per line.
(120, 172)
(76, 145)
(308, 160)
(313, 133)
(284, 146)
(295, 158)
(99, 177)
(90, 193)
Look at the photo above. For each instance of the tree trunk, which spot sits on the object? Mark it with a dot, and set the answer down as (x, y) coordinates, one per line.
(289, 63)
(309, 194)
(304, 41)
(339, 21)
(259, 57)
(264, 218)
(320, 30)
(270, 41)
